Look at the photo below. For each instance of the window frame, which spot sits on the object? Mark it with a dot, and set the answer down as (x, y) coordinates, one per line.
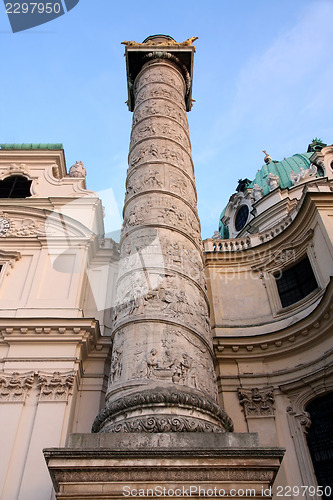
(241, 207)
(268, 276)
(300, 284)
(16, 175)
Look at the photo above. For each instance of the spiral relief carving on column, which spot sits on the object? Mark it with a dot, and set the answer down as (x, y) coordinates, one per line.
(161, 337)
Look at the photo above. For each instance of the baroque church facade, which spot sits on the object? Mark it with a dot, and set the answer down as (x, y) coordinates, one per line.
(96, 334)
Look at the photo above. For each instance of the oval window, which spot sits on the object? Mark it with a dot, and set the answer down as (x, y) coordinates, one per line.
(241, 217)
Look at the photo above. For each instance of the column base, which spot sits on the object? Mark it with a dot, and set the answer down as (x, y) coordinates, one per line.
(159, 409)
(113, 466)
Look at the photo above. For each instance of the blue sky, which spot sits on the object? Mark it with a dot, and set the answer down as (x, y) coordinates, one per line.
(263, 78)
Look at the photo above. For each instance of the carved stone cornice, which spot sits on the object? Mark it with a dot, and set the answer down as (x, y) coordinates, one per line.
(14, 168)
(42, 221)
(80, 331)
(14, 386)
(257, 402)
(167, 474)
(9, 255)
(55, 387)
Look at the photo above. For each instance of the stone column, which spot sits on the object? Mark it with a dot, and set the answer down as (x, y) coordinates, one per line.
(162, 375)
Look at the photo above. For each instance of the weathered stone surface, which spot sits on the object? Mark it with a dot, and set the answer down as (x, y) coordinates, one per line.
(96, 464)
(166, 441)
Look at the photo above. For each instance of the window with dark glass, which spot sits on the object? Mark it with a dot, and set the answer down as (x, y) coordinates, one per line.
(320, 171)
(15, 186)
(241, 217)
(320, 441)
(296, 282)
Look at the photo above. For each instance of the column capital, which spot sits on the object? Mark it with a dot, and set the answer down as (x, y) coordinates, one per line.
(159, 47)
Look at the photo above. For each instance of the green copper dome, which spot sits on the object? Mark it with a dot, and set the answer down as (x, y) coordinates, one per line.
(224, 231)
(281, 168)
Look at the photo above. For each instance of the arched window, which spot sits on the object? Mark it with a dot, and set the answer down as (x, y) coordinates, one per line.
(15, 186)
(320, 440)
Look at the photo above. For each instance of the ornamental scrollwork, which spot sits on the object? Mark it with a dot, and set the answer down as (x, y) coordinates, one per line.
(56, 386)
(163, 423)
(14, 387)
(24, 228)
(165, 397)
(257, 402)
(303, 417)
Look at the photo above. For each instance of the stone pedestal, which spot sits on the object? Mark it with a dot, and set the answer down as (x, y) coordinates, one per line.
(198, 465)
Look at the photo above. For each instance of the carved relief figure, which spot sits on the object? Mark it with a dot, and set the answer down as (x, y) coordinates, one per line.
(257, 192)
(173, 252)
(174, 156)
(187, 371)
(140, 97)
(273, 181)
(134, 185)
(116, 365)
(137, 214)
(162, 109)
(178, 184)
(157, 76)
(194, 224)
(303, 174)
(168, 361)
(151, 361)
(154, 128)
(146, 153)
(152, 179)
(171, 215)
